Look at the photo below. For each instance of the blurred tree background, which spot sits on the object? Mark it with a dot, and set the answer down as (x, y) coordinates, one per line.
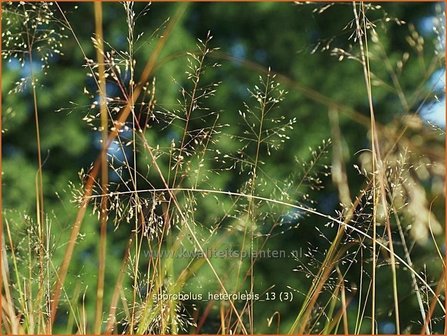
(313, 51)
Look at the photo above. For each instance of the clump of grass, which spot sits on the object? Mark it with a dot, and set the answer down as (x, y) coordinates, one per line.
(168, 185)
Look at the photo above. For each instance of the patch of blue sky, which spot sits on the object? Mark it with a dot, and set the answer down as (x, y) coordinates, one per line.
(434, 112)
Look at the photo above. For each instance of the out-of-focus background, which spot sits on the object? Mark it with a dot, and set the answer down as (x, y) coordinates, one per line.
(313, 150)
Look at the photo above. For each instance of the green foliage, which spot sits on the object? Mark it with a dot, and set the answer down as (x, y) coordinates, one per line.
(249, 133)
